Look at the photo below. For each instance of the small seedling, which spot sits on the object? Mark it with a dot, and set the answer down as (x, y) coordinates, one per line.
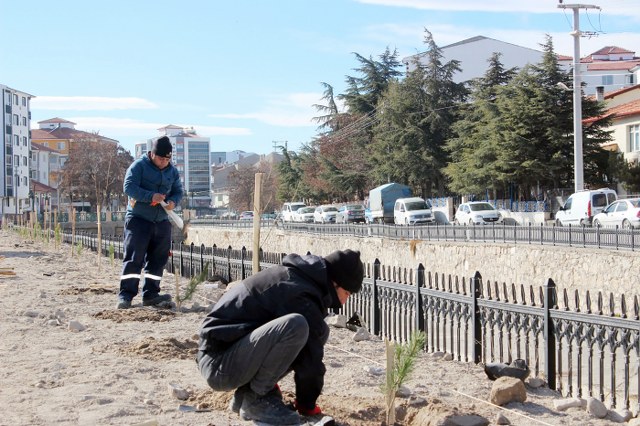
(191, 287)
(79, 248)
(58, 234)
(401, 361)
(112, 253)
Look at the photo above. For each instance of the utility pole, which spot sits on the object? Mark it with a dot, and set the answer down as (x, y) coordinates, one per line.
(578, 166)
(277, 144)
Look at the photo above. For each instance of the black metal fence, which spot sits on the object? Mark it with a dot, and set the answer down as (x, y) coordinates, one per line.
(584, 345)
(569, 236)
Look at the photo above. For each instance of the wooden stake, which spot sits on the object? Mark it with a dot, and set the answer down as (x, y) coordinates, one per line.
(390, 394)
(99, 235)
(256, 222)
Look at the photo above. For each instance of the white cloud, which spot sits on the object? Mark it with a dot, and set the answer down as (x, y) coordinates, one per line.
(289, 110)
(89, 103)
(119, 127)
(624, 8)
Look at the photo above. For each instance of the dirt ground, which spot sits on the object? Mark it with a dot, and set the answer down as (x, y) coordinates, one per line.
(69, 358)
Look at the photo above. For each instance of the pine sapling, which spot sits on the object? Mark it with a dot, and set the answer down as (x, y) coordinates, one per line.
(112, 253)
(401, 361)
(191, 287)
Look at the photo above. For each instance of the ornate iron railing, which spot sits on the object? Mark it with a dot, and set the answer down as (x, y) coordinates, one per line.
(582, 346)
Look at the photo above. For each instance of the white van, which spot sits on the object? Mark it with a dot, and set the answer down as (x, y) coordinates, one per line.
(411, 211)
(580, 207)
(288, 209)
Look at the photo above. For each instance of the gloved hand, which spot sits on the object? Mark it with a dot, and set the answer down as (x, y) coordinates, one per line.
(305, 411)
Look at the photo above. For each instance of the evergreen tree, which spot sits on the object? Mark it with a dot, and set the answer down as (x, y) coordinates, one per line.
(476, 146)
(415, 118)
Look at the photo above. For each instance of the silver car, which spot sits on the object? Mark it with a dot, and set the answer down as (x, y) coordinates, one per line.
(623, 213)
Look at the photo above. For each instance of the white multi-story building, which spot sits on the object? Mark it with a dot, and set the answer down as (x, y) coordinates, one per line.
(608, 69)
(191, 156)
(16, 153)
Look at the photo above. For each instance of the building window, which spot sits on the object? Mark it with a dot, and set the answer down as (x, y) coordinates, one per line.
(60, 146)
(607, 80)
(24, 101)
(634, 137)
(24, 141)
(15, 99)
(16, 140)
(25, 161)
(16, 119)
(24, 121)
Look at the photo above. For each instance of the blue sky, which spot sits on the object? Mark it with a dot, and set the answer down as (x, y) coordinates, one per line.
(246, 73)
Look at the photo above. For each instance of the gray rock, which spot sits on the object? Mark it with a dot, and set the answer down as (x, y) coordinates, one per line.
(376, 371)
(595, 407)
(565, 404)
(508, 389)
(76, 326)
(361, 335)
(502, 420)
(468, 420)
(403, 392)
(447, 357)
(535, 382)
(178, 392)
(338, 321)
(621, 415)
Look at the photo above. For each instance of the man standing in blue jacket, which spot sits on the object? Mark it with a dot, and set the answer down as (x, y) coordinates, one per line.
(272, 323)
(149, 180)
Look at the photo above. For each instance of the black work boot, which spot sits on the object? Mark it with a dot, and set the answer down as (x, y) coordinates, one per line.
(267, 408)
(159, 300)
(238, 396)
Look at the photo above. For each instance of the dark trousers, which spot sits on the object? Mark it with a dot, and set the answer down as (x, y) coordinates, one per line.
(146, 245)
(261, 358)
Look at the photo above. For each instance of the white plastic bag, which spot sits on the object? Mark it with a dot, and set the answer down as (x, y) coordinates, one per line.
(173, 216)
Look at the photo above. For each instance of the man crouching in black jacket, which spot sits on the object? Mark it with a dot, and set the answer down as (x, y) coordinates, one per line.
(272, 323)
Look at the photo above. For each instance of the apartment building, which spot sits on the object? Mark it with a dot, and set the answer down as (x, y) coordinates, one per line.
(15, 157)
(610, 68)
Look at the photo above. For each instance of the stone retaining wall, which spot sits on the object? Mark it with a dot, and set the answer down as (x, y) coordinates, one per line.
(570, 268)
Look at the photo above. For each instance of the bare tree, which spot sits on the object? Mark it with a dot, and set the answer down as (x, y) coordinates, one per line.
(242, 181)
(95, 170)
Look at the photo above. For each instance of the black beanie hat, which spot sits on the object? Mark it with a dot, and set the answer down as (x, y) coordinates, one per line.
(162, 147)
(346, 269)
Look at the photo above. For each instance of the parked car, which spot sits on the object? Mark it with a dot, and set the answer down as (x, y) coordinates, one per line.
(246, 215)
(582, 206)
(268, 216)
(476, 213)
(325, 214)
(350, 213)
(288, 209)
(304, 214)
(623, 213)
(412, 211)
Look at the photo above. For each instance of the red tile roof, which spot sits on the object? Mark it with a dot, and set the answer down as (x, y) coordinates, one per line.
(613, 65)
(625, 110)
(56, 120)
(41, 147)
(615, 93)
(611, 50)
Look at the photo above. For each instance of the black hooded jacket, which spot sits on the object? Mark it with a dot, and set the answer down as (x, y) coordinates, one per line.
(300, 285)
